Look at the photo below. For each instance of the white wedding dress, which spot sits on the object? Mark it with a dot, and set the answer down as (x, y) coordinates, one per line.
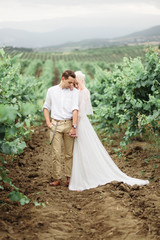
(92, 165)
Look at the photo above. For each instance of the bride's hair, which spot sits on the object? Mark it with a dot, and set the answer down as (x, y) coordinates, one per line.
(80, 76)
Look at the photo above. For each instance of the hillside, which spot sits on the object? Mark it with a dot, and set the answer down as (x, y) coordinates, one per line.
(150, 35)
(150, 32)
(55, 40)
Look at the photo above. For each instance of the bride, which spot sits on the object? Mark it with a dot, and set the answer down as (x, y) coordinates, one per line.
(92, 165)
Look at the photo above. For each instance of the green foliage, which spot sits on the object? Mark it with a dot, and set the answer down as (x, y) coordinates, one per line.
(37, 204)
(107, 55)
(46, 78)
(32, 68)
(19, 110)
(128, 97)
(18, 105)
(18, 196)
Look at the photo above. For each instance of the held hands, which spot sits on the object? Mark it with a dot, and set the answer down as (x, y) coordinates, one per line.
(73, 133)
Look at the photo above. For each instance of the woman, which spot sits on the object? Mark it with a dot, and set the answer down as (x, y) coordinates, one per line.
(92, 165)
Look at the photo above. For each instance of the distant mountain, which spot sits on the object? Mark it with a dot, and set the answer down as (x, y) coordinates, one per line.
(58, 40)
(20, 38)
(150, 35)
(150, 32)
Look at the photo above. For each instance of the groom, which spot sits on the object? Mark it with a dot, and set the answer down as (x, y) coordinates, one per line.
(63, 104)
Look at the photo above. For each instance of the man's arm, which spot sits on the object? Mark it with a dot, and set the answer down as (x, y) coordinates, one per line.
(73, 132)
(47, 117)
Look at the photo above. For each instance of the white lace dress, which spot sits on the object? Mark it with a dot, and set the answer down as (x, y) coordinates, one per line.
(92, 165)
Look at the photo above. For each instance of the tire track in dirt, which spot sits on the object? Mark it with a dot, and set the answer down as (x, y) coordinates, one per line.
(115, 211)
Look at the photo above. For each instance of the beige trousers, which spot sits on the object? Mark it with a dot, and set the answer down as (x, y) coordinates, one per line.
(62, 139)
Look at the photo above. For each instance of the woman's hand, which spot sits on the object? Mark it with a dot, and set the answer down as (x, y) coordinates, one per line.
(73, 133)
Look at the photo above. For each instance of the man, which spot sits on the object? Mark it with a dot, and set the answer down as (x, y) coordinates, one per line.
(62, 100)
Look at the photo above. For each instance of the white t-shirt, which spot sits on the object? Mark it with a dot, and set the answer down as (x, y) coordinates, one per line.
(61, 102)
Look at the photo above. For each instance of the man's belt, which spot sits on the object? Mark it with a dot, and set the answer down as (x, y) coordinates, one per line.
(65, 120)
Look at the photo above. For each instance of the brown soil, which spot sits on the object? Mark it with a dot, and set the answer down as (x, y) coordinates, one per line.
(56, 77)
(38, 72)
(115, 211)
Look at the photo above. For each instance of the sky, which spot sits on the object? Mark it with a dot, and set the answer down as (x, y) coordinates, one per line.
(118, 17)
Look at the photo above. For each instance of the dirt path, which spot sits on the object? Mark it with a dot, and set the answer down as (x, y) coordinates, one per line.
(114, 211)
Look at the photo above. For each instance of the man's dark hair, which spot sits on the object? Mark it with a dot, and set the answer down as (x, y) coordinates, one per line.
(68, 73)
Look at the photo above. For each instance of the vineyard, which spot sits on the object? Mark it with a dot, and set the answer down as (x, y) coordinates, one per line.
(108, 55)
(125, 92)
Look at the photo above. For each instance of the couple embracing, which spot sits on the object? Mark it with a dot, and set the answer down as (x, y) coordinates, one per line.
(87, 163)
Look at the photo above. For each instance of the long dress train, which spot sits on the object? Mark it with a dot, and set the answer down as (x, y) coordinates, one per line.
(92, 165)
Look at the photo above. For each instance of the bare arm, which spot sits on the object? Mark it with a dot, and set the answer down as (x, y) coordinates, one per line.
(47, 117)
(73, 131)
(75, 117)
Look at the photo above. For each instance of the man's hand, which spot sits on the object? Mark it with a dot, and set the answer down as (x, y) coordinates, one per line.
(73, 133)
(49, 124)
(47, 118)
